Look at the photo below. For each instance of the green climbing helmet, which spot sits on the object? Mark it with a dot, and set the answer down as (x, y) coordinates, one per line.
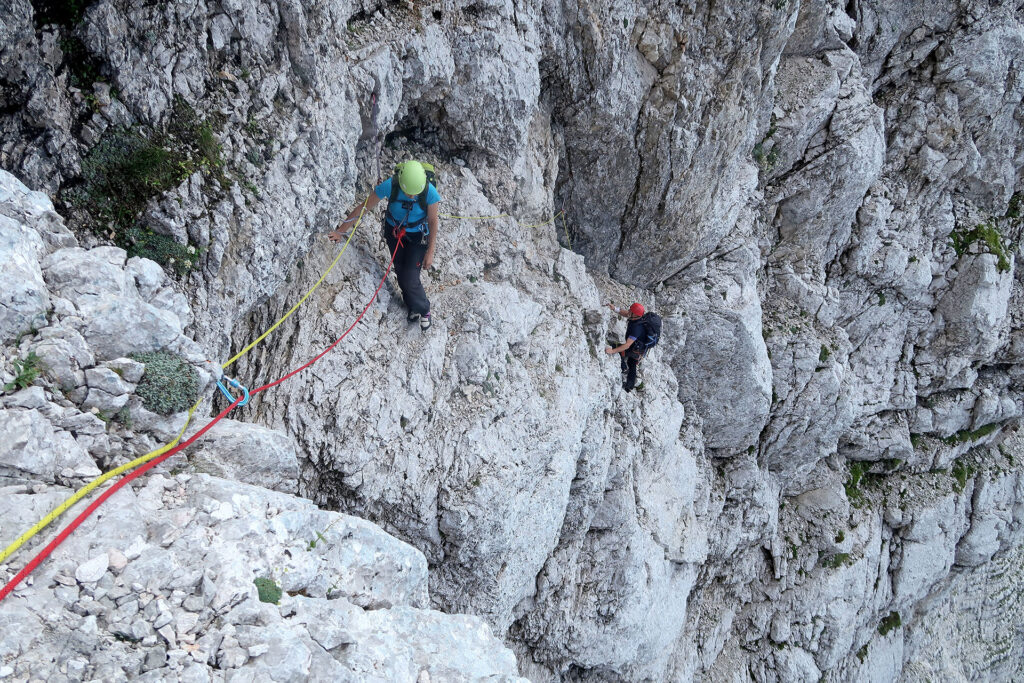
(412, 178)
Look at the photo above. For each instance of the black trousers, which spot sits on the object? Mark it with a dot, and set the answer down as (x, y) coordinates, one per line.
(408, 263)
(628, 363)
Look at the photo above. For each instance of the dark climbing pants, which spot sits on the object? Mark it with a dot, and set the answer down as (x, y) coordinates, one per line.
(628, 362)
(408, 263)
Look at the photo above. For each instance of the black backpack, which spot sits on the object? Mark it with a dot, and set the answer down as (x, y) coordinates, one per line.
(652, 331)
(421, 198)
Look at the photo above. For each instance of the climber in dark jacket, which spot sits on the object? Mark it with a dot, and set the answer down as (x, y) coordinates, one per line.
(640, 336)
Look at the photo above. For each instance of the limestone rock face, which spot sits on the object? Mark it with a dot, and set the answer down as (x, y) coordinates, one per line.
(179, 590)
(248, 453)
(818, 476)
(25, 299)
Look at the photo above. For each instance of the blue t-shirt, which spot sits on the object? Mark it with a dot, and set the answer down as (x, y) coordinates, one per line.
(635, 329)
(405, 210)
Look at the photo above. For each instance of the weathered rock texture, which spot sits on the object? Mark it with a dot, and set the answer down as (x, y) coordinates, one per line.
(820, 475)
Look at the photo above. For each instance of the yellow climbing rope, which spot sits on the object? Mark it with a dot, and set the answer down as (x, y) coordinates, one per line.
(88, 488)
(141, 460)
(304, 296)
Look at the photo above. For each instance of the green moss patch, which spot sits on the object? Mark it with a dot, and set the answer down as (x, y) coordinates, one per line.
(988, 235)
(852, 485)
(889, 623)
(129, 167)
(268, 590)
(961, 473)
(967, 435)
(835, 561)
(169, 384)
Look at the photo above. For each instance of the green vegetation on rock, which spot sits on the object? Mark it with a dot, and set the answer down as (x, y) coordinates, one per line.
(889, 623)
(25, 372)
(268, 590)
(169, 384)
(835, 561)
(129, 167)
(961, 473)
(967, 435)
(987, 234)
(852, 485)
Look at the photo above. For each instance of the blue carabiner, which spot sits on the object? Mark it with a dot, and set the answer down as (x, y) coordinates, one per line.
(227, 394)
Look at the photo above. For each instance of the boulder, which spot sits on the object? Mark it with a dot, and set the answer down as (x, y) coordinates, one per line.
(248, 453)
(24, 298)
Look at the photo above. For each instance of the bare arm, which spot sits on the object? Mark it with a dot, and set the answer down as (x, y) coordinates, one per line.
(432, 222)
(345, 225)
(623, 312)
(620, 348)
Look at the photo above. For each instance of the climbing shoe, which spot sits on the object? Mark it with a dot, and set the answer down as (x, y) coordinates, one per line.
(412, 317)
(424, 322)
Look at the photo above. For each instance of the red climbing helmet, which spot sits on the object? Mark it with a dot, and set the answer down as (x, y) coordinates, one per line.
(636, 309)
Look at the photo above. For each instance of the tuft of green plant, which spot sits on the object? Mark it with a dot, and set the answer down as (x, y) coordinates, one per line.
(961, 473)
(835, 561)
(889, 623)
(268, 590)
(164, 249)
(852, 485)
(862, 653)
(881, 299)
(824, 354)
(313, 542)
(987, 234)
(26, 371)
(840, 536)
(169, 384)
(765, 160)
(966, 435)
(124, 416)
(123, 171)
(128, 167)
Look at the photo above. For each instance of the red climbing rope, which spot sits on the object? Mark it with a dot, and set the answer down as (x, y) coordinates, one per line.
(63, 535)
(74, 524)
(323, 353)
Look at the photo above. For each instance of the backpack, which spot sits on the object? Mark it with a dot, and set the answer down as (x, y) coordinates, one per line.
(421, 198)
(652, 331)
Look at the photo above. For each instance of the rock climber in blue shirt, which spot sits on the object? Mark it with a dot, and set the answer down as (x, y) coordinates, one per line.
(412, 206)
